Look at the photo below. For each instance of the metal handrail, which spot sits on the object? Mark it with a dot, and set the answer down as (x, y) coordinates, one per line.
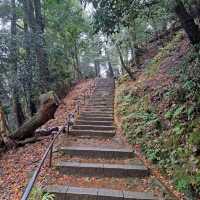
(49, 150)
(37, 171)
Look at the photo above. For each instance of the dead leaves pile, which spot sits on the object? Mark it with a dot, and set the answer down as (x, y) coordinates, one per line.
(17, 165)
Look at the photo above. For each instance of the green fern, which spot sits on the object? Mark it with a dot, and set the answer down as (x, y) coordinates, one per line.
(48, 196)
(178, 111)
(38, 193)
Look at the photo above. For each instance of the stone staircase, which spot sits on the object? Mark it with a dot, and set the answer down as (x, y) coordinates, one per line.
(96, 123)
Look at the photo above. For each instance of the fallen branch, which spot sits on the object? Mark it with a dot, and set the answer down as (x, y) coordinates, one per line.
(48, 105)
(28, 140)
(46, 132)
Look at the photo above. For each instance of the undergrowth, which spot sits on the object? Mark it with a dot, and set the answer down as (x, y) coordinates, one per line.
(169, 137)
(153, 66)
(38, 193)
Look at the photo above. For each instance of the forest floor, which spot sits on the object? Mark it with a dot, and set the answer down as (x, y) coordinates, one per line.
(17, 165)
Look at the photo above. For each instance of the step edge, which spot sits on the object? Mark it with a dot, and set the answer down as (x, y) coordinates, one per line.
(100, 192)
(97, 149)
(101, 165)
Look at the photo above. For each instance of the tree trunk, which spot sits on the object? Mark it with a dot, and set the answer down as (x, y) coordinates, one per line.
(38, 15)
(41, 52)
(4, 130)
(77, 72)
(111, 72)
(77, 62)
(33, 16)
(48, 105)
(20, 118)
(110, 68)
(97, 68)
(30, 62)
(32, 106)
(13, 54)
(123, 64)
(187, 22)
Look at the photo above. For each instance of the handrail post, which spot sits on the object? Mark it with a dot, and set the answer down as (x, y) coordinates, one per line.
(78, 107)
(51, 151)
(68, 128)
(84, 98)
(69, 122)
(90, 88)
(50, 156)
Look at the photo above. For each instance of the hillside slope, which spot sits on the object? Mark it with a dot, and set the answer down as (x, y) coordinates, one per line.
(160, 112)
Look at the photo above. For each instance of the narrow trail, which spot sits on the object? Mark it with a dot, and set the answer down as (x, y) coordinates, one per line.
(94, 162)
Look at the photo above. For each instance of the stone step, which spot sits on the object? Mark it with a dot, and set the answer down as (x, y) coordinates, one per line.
(97, 112)
(93, 127)
(100, 102)
(96, 118)
(102, 96)
(99, 99)
(92, 133)
(95, 108)
(102, 170)
(103, 92)
(96, 152)
(92, 109)
(103, 105)
(104, 88)
(79, 193)
(98, 106)
(96, 115)
(97, 123)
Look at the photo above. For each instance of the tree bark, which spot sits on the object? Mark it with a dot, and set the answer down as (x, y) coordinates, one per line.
(111, 72)
(97, 68)
(34, 21)
(123, 64)
(79, 73)
(110, 68)
(49, 104)
(13, 54)
(17, 107)
(30, 62)
(4, 130)
(187, 22)
(38, 15)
